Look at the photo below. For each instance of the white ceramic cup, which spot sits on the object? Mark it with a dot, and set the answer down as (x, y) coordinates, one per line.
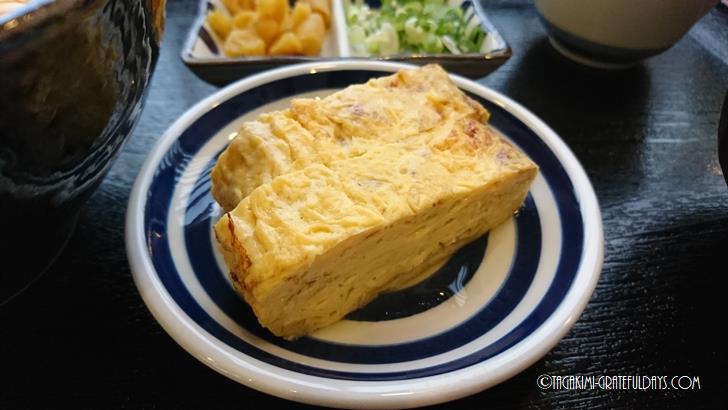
(618, 33)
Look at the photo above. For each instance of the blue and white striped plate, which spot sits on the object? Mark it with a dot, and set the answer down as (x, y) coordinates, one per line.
(495, 308)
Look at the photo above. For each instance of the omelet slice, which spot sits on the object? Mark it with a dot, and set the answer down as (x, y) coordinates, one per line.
(419, 106)
(314, 244)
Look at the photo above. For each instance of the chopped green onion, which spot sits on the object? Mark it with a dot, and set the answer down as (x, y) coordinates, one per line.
(410, 26)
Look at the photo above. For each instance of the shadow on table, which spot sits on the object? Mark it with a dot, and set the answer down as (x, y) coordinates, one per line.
(603, 115)
(580, 101)
(660, 303)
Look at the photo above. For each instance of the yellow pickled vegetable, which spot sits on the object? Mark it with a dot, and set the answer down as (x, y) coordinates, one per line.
(220, 23)
(287, 44)
(244, 19)
(273, 9)
(300, 13)
(311, 32)
(244, 43)
(282, 29)
(267, 29)
(322, 7)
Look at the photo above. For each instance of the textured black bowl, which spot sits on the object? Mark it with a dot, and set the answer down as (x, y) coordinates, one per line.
(73, 75)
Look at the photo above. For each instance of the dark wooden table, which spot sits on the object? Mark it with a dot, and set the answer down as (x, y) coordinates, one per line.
(82, 337)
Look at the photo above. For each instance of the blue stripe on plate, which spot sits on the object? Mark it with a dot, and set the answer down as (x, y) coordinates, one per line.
(200, 131)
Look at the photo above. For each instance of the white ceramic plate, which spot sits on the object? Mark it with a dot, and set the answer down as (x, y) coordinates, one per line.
(495, 308)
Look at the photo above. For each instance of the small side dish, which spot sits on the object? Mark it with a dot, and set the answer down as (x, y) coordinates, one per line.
(230, 39)
(271, 27)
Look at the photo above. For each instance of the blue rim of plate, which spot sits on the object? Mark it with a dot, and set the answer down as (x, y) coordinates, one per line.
(149, 215)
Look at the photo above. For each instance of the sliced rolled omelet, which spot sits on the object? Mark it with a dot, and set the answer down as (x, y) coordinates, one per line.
(419, 106)
(314, 244)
